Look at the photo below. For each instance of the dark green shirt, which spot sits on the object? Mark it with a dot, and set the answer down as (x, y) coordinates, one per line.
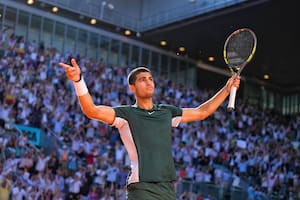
(146, 135)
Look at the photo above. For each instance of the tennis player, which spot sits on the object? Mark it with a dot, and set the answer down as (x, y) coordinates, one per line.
(145, 129)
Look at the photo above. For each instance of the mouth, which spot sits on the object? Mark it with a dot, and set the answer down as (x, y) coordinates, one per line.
(150, 88)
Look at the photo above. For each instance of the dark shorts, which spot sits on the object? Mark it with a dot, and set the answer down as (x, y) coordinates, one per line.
(151, 191)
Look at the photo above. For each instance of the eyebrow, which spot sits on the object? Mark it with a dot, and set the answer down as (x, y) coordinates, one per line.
(142, 77)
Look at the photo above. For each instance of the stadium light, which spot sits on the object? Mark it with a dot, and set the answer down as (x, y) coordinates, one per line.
(30, 2)
(93, 21)
(127, 32)
(55, 9)
(163, 43)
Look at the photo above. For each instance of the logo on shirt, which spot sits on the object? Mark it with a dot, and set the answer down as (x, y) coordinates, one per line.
(150, 113)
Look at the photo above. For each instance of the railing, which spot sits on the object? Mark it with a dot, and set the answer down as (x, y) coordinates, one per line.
(191, 190)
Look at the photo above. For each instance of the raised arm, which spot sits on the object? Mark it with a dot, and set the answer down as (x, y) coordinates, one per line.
(102, 113)
(207, 108)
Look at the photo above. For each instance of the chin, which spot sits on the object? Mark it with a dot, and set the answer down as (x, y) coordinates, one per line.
(149, 95)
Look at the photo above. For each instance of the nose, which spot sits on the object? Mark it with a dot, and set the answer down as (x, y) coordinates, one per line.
(149, 81)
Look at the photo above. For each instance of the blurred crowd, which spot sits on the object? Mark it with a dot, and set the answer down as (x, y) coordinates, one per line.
(89, 162)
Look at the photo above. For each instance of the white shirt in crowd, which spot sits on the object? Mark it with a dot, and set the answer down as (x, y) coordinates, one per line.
(18, 193)
(74, 184)
(42, 162)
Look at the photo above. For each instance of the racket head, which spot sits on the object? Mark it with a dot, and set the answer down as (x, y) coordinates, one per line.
(239, 49)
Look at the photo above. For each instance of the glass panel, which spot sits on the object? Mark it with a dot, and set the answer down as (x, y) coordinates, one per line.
(145, 57)
(173, 69)
(81, 45)
(287, 104)
(154, 62)
(283, 105)
(294, 104)
(10, 17)
(92, 46)
(115, 44)
(297, 103)
(124, 55)
(34, 31)
(278, 102)
(47, 31)
(59, 36)
(71, 39)
(21, 27)
(181, 78)
(271, 100)
(191, 76)
(9, 23)
(135, 56)
(104, 45)
(164, 67)
(264, 98)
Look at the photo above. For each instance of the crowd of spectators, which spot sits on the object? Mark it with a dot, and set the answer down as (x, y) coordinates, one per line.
(89, 161)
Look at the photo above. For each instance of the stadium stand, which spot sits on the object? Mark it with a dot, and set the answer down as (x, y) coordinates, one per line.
(249, 153)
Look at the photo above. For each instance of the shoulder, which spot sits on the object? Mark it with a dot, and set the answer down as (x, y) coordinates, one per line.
(176, 111)
(122, 107)
(166, 106)
(123, 110)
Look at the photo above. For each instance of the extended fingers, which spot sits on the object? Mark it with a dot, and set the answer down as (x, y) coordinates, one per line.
(74, 63)
(72, 71)
(65, 66)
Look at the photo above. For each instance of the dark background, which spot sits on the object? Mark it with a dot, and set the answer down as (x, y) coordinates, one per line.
(276, 24)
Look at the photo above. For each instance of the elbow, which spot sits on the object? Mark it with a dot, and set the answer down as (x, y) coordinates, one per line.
(199, 116)
(203, 116)
(88, 115)
(89, 112)
(206, 111)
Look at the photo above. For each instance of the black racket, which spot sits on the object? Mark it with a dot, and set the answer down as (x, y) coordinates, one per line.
(239, 49)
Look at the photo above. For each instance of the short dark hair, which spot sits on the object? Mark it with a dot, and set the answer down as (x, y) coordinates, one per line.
(132, 75)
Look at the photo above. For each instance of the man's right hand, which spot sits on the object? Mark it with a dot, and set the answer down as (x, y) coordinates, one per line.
(73, 72)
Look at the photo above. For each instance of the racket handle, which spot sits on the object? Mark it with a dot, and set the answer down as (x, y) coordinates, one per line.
(232, 98)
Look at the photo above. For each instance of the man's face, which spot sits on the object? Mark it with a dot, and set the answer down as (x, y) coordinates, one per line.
(143, 86)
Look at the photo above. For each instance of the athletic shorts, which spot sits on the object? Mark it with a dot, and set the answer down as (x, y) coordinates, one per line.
(151, 191)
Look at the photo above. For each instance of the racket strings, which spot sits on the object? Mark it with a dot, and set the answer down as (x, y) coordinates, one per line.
(239, 48)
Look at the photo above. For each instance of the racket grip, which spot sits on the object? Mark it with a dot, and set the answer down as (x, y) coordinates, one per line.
(232, 98)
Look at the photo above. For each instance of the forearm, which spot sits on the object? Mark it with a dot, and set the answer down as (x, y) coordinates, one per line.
(87, 104)
(206, 109)
(102, 113)
(84, 97)
(213, 103)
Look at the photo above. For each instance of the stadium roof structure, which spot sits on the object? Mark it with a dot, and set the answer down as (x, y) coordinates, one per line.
(202, 31)
(274, 23)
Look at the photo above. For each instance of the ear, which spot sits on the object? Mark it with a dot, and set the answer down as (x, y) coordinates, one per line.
(132, 88)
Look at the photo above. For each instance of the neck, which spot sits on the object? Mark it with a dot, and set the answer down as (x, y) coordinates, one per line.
(146, 104)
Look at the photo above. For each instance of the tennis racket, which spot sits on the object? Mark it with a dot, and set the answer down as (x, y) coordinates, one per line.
(239, 49)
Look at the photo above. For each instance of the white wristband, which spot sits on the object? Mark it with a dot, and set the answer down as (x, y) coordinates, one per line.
(80, 87)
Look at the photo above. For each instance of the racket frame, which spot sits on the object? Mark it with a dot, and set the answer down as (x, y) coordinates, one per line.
(238, 69)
